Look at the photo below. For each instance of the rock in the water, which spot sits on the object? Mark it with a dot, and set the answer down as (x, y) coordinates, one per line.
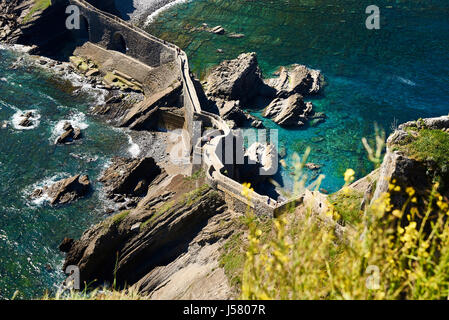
(69, 135)
(218, 30)
(266, 156)
(65, 191)
(129, 177)
(237, 79)
(27, 120)
(66, 245)
(312, 166)
(296, 79)
(230, 110)
(67, 126)
(290, 112)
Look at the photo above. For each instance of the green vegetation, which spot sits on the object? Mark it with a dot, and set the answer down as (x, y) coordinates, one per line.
(232, 259)
(429, 145)
(158, 213)
(119, 217)
(233, 255)
(347, 204)
(197, 175)
(39, 5)
(401, 254)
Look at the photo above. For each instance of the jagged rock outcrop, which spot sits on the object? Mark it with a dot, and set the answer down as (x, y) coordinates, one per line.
(165, 246)
(129, 177)
(296, 79)
(408, 169)
(27, 120)
(69, 135)
(236, 84)
(65, 191)
(11, 16)
(30, 23)
(261, 162)
(237, 79)
(289, 112)
(231, 111)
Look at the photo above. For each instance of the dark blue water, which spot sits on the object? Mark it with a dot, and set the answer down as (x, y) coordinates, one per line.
(388, 76)
(30, 232)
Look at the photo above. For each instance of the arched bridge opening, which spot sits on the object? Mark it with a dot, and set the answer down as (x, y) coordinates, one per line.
(118, 43)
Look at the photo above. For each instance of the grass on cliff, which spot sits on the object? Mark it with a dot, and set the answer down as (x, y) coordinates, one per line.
(39, 5)
(429, 144)
(347, 205)
(233, 254)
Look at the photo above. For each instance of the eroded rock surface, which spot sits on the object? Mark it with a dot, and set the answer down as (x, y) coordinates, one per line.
(289, 112)
(65, 191)
(167, 247)
(296, 79)
(237, 79)
(129, 177)
(69, 135)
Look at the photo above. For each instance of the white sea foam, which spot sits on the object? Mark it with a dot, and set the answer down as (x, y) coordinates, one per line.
(134, 148)
(152, 16)
(87, 88)
(77, 120)
(19, 116)
(41, 184)
(15, 47)
(406, 81)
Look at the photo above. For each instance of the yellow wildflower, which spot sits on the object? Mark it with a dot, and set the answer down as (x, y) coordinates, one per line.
(410, 191)
(397, 213)
(349, 175)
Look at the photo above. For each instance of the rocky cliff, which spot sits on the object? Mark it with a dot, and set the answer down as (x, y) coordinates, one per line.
(417, 157)
(168, 246)
(31, 22)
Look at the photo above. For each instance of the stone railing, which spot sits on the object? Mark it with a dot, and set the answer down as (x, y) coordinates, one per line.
(107, 15)
(262, 205)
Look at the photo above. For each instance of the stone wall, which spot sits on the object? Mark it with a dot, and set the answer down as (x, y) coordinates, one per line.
(112, 33)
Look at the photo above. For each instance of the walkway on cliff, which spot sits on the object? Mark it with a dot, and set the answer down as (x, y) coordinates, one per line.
(210, 161)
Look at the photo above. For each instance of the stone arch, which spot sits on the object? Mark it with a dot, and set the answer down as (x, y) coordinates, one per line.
(118, 43)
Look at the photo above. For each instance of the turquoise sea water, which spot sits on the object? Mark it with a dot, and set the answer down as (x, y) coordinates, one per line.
(388, 76)
(30, 232)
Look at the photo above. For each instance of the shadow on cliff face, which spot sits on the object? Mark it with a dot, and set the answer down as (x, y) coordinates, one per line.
(129, 245)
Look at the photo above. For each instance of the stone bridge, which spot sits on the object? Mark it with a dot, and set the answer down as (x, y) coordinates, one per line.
(110, 32)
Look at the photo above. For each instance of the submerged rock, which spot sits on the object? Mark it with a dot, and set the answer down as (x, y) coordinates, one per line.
(289, 112)
(218, 30)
